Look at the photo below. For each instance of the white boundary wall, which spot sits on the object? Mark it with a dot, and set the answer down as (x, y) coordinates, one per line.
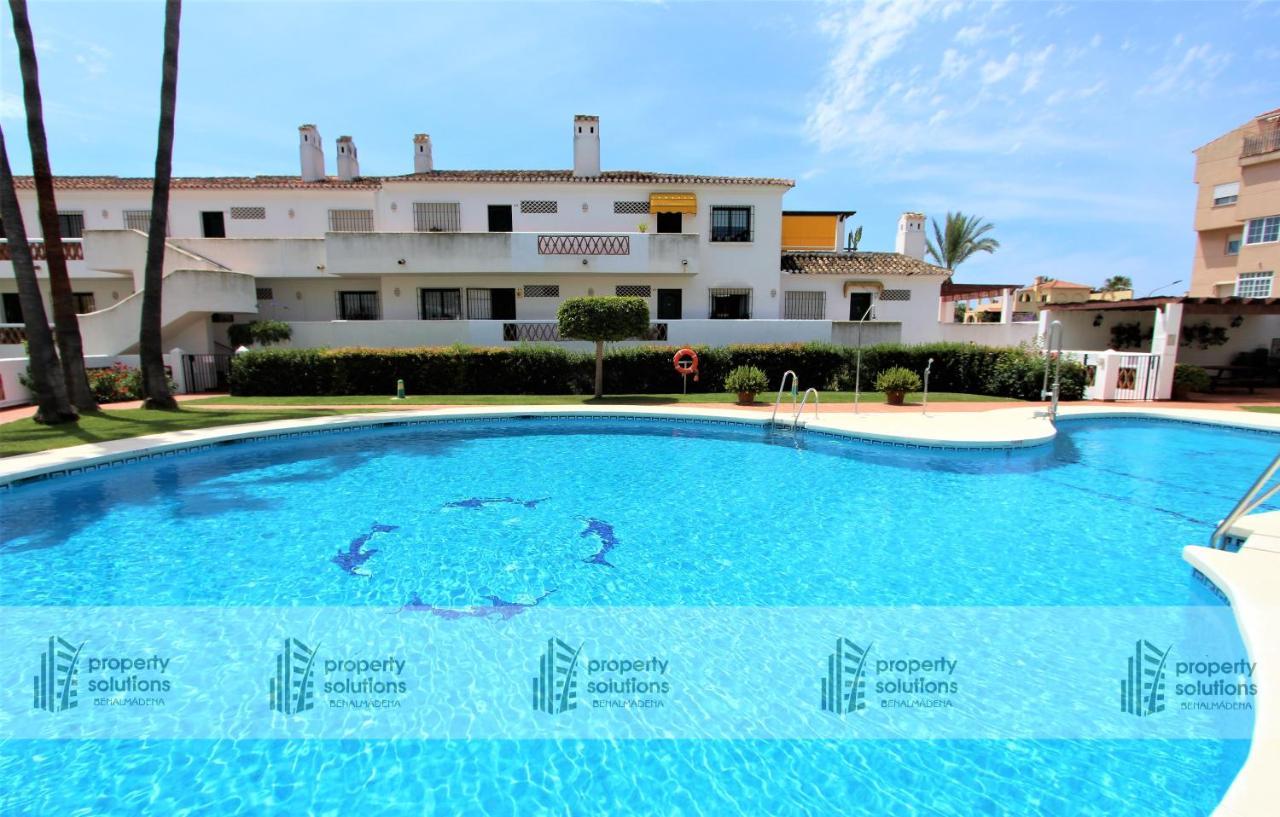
(13, 393)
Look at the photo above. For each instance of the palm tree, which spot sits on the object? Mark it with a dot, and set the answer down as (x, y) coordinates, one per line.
(155, 383)
(52, 405)
(1117, 282)
(962, 237)
(65, 323)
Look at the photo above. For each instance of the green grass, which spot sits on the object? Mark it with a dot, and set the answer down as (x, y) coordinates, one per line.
(827, 397)
(27, 437)
(1263, 409)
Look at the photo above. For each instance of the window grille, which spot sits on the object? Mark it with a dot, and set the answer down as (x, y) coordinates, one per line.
(248, 213)
(633, 290)
(137, 220)
(727, 303)
(436, 217)
(634, 207)
(731, 224)
(358, 306)
(542, 290)
(804, 306)
(265, 294)
(439, 304)
(895, 295)
(83, 301)
(351, 221)
(71, 224)
(538, 206)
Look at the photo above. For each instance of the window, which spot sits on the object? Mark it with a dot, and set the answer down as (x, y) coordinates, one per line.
(71, 224)
(137, 220)
(265, 294)
(213, 224)
(358, 306)
(731, 224)
(1253, 285)
(12, 306)
(491, 304)
(634, 207)
(670, 222)
(248, 213)
(539, 207)
(499, 218)
(350, 221)
(1233, 245)
(1226, 193)
(670, 304)
(436, 217)
(804, 306)
(83, 302)
(440, 304)
(1263, 230)
(542, 290)
(729, 304)
(895, 295)
(633, 290)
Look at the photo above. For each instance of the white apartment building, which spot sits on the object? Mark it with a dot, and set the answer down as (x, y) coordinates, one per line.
(483, 257)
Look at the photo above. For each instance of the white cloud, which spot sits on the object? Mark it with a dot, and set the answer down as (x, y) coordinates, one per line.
(1191, 73)
(993, 72)
(953, 64)
(971, 34)
(11, 106)
(1035, 68)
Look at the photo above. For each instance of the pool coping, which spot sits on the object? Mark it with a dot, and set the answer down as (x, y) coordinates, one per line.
(1246, 577)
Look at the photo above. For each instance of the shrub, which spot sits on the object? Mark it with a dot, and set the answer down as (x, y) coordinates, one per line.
(746, 379)
(600, 319)
(263, 333)
(118, 383)
(1190, 378)
(897, 379)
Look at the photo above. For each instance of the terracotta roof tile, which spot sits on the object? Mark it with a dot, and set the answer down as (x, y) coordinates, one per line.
(857, 263)
(606, 177)
(198, 183)
(1063, 285)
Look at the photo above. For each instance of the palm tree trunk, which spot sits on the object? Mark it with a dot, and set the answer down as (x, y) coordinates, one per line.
(155, 384)
(65, 323)
(52, 405)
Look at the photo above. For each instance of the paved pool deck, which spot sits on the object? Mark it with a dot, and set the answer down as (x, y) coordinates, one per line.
(1250, 577)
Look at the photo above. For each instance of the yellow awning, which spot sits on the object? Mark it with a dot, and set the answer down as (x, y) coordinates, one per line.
(673, 203)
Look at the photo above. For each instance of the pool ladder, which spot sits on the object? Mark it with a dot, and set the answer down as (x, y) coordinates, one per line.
(1253, 499)
(797, 407)
(1052, 360)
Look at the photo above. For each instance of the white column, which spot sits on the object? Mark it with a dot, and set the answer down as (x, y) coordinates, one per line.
(179, 371)
(1006, 305)
(1042, 331)
(946, 310)
(1164, 343)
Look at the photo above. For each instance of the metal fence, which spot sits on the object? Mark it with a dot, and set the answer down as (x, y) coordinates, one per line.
(206, 372)
(549, 331)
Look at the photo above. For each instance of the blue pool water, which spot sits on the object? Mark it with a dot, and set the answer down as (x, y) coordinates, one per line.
(612, 513)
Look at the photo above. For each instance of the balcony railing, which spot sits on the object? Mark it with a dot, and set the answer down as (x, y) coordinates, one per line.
(74, 250)
(561, 244)
(550, 331)
(1260, 144)
(12, 334)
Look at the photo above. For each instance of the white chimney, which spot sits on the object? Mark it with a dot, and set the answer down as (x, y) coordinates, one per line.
(422, 153)
(586, 145)
(348, 164)
(911, 236)
(311, 152)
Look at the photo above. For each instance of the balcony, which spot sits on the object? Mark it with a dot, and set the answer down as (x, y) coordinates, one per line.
(73, 249)
(1261, 147)
(515, 253)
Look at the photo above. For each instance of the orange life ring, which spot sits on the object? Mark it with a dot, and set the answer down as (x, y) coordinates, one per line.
(686, 362)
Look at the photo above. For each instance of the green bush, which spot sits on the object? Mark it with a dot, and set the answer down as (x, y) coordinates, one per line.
(746, 379)
(604, 318)
(1190, 378)
(550, 369)
(118, 383)
(897, 379)
(263, 333)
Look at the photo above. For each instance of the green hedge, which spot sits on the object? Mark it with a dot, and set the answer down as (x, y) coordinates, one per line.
(1007, 372)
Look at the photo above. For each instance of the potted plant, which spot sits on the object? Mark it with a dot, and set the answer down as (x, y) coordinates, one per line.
(1187, 378)
(895, 383)
(747, 381)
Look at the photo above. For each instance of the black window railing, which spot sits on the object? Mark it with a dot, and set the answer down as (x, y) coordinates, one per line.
(732, 224)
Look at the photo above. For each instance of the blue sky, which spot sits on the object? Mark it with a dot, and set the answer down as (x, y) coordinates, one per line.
(1068, 125)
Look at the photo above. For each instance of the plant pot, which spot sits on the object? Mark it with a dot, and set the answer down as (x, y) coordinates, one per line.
(1180, 392)
(746, 398)
(895, 398)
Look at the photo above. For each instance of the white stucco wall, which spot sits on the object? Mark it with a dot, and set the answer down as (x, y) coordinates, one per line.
(918, 316)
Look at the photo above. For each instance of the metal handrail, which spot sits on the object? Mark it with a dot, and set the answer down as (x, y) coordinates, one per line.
(857, 372)
(1248, 503)
(924, 402)
(1052, 359)
(795, 384)
(796, 419)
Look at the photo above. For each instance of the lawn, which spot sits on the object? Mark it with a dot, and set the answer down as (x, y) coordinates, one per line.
(26, 436)
(1263, 409)
(827, 398)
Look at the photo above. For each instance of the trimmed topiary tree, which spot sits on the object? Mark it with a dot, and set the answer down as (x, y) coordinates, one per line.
(603, 319)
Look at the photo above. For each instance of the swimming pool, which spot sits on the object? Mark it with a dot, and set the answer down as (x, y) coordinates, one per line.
(508, 520)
